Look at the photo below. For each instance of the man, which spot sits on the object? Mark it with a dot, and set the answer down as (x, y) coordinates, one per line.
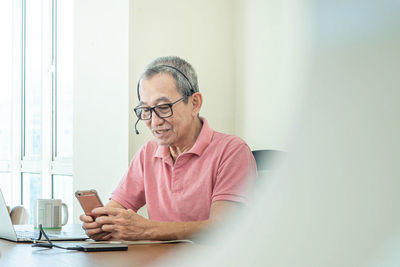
(189, 176)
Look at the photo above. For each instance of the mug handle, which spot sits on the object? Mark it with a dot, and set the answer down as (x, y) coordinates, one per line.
(65, 214)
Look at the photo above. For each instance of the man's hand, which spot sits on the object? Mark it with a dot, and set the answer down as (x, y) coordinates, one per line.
(116, 222)
(93, 229)
(123, 224)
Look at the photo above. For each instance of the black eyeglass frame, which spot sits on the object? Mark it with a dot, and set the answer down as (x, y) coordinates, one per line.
(151, 109)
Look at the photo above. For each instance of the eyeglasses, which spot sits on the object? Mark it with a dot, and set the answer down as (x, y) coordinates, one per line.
(162, 111)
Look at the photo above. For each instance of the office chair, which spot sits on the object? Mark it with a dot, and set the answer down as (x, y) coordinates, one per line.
(266, 159)
(19, 215)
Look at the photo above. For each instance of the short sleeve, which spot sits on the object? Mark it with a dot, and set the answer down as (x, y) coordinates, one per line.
(236, 174)
(130, 191)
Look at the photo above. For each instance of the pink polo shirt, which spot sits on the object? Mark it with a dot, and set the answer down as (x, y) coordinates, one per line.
(218, 167)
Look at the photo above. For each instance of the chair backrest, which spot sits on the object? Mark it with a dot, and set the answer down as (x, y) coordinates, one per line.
(266, 159)
(19, 215)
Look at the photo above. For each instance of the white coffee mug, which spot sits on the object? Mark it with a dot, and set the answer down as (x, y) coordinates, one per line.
(48, 213)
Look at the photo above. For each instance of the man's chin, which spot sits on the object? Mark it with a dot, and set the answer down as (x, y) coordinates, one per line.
(162, 142)
(164, 139)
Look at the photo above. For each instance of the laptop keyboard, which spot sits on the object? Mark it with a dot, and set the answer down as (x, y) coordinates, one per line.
(31, 235)
(27, 234)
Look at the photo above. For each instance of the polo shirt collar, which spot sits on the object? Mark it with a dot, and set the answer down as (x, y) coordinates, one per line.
(204, 138)
(202, 141)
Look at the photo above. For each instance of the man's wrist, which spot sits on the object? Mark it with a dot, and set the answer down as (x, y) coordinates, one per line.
(154, 230)
(173, 230)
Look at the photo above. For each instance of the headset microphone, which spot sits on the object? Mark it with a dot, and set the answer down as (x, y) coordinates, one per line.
(137, 132)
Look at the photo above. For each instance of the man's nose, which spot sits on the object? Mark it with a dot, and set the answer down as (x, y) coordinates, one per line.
(155, 119)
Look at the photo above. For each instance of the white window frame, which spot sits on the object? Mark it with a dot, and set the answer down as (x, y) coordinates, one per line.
(49, 164)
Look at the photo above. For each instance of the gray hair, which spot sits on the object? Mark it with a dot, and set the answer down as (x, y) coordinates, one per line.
(183, 73)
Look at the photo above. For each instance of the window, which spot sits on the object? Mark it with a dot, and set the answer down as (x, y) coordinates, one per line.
(36, 101)
(6, 49)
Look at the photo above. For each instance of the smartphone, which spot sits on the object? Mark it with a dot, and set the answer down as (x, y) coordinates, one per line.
(88, 200)
(91, 247)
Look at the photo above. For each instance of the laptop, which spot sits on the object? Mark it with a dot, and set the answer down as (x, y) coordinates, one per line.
(27, 233)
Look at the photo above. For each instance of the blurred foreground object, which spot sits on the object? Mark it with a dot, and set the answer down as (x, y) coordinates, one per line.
(337, 201)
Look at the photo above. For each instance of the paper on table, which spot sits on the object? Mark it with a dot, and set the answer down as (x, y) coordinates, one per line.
(144, 242)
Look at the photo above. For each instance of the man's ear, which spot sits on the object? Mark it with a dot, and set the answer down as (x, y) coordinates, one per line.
(197, 101)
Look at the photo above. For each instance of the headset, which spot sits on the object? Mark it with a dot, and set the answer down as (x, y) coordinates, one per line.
(192, 91)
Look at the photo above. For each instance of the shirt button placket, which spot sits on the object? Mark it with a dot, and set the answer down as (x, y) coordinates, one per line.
(176, 177)
(173, 181)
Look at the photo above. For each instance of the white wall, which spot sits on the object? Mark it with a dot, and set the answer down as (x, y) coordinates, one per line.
(200, 32)
(242, 51)
(101, 82)
(270, 53)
